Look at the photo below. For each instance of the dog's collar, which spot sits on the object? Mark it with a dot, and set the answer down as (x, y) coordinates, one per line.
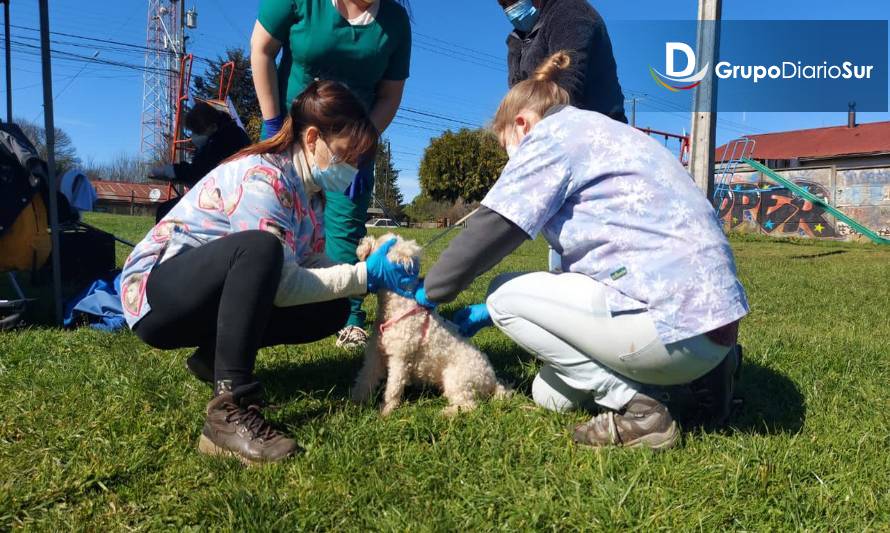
(417, 309)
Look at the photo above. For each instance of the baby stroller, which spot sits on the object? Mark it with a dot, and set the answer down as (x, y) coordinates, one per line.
(25, 239)
(25, 242)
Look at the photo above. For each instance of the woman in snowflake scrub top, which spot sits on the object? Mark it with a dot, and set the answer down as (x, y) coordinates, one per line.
(239, 264)
(646, 291)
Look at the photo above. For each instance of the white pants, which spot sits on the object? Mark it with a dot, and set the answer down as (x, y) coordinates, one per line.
(589, 352)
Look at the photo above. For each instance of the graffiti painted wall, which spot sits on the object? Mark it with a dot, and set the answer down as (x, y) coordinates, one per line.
(864, 194)
(754, 202)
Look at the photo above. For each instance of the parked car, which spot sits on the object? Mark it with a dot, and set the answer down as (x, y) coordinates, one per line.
(382, 223)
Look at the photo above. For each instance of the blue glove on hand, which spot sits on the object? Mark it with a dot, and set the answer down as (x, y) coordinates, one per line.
(271, 127)
(470, 320)
(420, 297)
(383, 274)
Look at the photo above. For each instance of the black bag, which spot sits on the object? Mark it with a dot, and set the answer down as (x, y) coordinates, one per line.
(87, 254)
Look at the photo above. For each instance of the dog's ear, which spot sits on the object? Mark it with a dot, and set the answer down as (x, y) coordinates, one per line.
(365, 247)
(405, 253)
(386, 237)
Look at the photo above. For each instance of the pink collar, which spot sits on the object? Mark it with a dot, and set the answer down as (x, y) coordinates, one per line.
(411, 312)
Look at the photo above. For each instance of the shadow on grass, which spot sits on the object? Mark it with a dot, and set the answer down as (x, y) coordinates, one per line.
(814, 256)
(328, 376)
(771, 402)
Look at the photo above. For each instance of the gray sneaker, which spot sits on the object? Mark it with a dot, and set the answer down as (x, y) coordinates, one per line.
(352, 338)
(644, 422)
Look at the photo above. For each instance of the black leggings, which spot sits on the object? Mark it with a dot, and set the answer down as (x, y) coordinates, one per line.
(219, 297)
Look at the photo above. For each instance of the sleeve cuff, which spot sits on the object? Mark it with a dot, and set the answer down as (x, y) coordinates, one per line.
(361, 276)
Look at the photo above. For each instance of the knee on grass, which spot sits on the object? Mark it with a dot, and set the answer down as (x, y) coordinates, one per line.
(551, 392)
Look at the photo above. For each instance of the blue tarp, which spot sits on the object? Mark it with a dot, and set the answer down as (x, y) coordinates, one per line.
(101, 304)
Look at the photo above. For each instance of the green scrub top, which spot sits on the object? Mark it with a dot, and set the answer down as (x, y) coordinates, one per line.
(319, 43)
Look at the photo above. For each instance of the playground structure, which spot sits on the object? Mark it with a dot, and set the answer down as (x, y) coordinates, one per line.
(807, 202)
(683, 139)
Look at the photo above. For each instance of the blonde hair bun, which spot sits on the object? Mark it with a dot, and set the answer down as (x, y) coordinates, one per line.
(553, 67)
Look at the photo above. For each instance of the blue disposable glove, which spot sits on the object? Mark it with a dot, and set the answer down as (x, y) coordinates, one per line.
(470, 320)
(383, 274)
(271, 127)
(420, 297)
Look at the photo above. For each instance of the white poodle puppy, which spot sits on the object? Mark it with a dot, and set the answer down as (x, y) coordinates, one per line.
(416, 345)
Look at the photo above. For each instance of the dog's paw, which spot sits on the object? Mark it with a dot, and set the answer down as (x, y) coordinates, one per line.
(456, 409)
(388, 408)
(365, 247)
(503, 391)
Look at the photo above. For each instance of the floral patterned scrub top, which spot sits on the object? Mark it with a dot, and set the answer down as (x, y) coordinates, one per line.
(620, 208)
(255, 192)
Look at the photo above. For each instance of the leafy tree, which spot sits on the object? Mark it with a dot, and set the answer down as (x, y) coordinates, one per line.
(461, 165)
(65, 153)
(386, 181)
(241, 92)
(121, 167)
(425, 209)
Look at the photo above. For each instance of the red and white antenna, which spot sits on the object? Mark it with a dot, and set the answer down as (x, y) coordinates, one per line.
(165, 46)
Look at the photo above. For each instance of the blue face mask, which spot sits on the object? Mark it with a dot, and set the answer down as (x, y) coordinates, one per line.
(337, 177)
(523, 15)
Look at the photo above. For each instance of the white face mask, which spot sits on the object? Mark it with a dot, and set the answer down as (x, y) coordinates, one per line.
(336, 177)
(512, 145)
(511, 150)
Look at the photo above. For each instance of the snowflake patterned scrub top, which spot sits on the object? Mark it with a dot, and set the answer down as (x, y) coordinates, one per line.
(620, 208)
(252, 193)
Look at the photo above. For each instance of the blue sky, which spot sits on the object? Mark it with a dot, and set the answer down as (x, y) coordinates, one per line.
(458, 67)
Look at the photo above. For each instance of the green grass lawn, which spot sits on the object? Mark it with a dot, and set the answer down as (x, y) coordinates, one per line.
(98, 431)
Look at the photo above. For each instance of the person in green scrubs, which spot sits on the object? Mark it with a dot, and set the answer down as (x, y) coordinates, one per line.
(365, 44)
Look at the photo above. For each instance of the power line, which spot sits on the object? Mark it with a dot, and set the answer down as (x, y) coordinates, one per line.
(483, 55)
(70, 56)
(65, 88)
(441, 117)
(136, 47)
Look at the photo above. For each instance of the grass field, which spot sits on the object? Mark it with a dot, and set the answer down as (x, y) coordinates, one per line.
(98, 431)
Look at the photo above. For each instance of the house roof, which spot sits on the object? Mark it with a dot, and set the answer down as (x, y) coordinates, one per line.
(140, 193)
(820, 143)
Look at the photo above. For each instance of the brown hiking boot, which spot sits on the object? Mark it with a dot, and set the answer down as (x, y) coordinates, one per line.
(644, 421)
(235, 427)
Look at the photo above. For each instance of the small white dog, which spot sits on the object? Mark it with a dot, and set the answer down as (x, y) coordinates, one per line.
(416, 345)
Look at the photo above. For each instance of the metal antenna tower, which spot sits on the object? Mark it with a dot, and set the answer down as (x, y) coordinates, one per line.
(165, 46)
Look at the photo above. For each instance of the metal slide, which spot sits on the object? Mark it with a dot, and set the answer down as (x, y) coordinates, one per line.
(806, 195)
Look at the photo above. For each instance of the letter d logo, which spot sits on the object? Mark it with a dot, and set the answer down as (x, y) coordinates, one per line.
(670, 52)
(684, 76)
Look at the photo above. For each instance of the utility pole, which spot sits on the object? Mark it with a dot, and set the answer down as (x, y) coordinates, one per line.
(633, 112)
(8, 63)
(704, 112)
(50, 128)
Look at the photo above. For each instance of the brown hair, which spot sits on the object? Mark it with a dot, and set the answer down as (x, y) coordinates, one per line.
(332, 108)
(537, 94)
(203, 115)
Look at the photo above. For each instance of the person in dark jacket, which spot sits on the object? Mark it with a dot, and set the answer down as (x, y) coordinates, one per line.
(216, 137)
(544, 27)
